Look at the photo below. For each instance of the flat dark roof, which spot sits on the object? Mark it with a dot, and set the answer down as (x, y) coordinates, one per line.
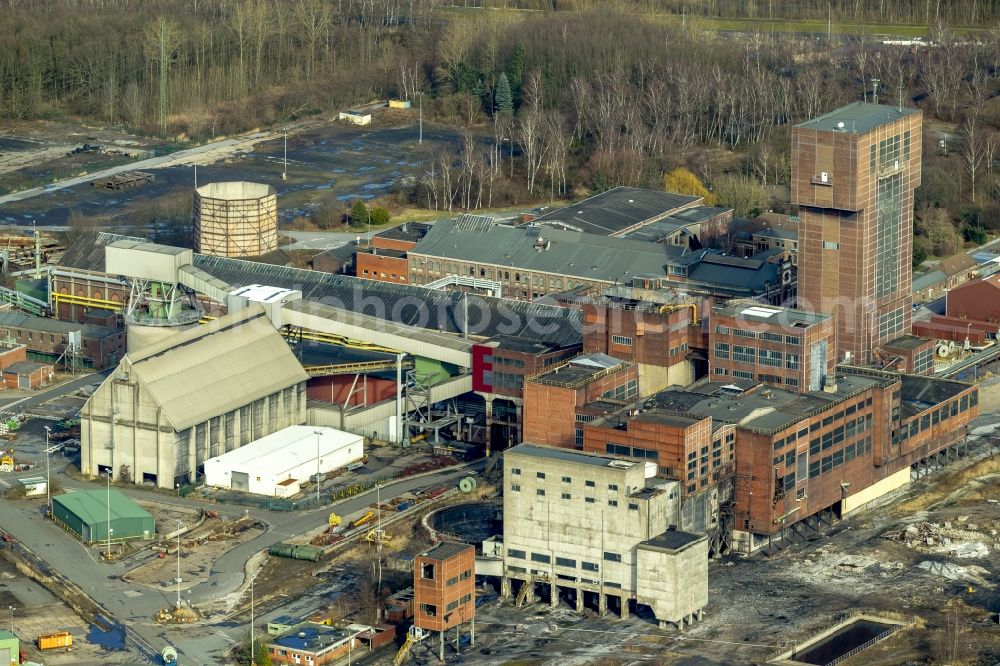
(673, 540)
(858, 118)
(617, 209)
(410, 231)
(667, 419)
(568, 455)
(445, 549)
(907, 342)
(770, 314)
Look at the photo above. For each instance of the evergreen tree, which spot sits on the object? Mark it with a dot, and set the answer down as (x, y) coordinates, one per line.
(359, 214)
(504, 97)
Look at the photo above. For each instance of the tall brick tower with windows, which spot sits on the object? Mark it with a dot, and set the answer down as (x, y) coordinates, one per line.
(854, 171)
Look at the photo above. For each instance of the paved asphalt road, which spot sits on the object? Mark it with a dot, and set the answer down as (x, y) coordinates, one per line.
(37, 399)
(135, 605)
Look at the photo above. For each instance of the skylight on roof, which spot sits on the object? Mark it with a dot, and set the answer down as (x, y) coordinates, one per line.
(756, 311)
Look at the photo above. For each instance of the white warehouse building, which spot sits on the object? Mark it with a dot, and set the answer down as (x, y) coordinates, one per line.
(197, 394)
(275, 465)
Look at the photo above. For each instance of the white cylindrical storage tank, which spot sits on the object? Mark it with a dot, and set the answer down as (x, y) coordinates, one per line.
(235, 219)
(139, 337)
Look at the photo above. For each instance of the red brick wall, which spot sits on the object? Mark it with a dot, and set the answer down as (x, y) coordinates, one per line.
(377, 264)
(550, 414)
(393, 243)
(653, 335)
(550, 411)
(438, 593)
(16, 355)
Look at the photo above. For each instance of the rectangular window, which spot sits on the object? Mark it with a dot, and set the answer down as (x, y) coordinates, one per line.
(588, 566)
(540, 492)
(538, 557)
(567, 479)
(792, 361)
(721, 350)
(722, 330)
(621, 340)
(613, 487)
(515, 487)
(612, 557)
(771, 358)
(539, 475)
(741, 374)
(632, 506)
(565, 562)
(515, 470)
(589, 500)
(589, 484)
(744, 354)
(567, 496)
(793, 340)
(612, 503)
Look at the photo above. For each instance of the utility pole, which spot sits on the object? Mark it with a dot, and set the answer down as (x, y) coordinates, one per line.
(178, 565)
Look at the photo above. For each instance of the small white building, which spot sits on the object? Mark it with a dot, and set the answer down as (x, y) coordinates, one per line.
(33, 486)
(274, 465)
(357, 117)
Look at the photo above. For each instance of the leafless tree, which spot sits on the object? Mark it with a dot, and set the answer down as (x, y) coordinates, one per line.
(972, 151)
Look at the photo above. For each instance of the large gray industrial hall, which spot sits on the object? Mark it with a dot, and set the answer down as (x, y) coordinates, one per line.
(195, 395)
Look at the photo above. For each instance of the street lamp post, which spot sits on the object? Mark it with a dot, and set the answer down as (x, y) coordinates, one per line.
(178, 565)
(253, 635)
(48, 493)
(110, 531)
(284, 172)
(318, 433)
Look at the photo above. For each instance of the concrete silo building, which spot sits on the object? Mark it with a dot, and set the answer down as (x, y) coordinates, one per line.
(235, 219)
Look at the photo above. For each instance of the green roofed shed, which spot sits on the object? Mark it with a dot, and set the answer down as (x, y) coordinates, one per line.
(85, 513)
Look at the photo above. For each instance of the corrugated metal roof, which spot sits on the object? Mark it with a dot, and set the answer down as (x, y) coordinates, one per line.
(617, 209)
(408, 305)
(547, 250)
(217, 368)
(92, 505)
(31, 322)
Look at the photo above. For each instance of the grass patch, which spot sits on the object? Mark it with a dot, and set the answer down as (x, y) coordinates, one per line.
(722, 24)
(951, 482)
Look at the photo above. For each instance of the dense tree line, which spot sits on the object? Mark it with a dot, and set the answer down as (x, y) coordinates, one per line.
(548, 103)
(202, 67)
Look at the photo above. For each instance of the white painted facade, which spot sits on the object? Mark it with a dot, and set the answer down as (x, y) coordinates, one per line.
(265, 466)
(598, 524)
